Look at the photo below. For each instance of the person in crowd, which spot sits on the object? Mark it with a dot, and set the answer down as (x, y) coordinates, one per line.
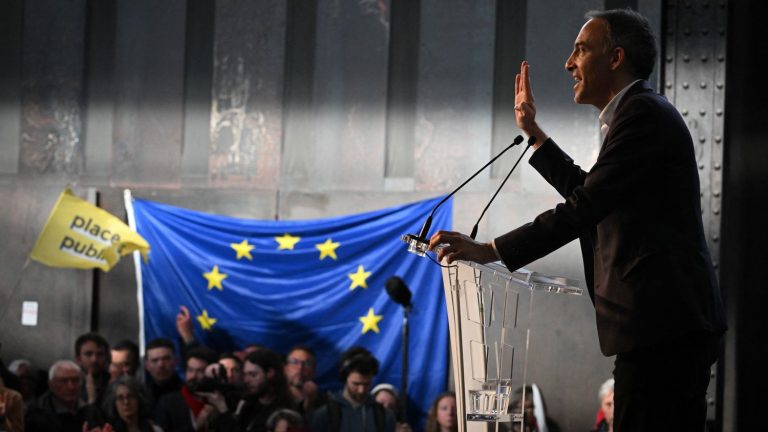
(266, 391)
(604, 421)
(386, 394)
(127, 407)
(160, 368)
(233, 367)
(299, 371)
(124, 359)
(10, 379)
(26, 374)
(353, 408)
(442, 414)
(286, 420)
(183, 410)
(224, 379)
(530, 402)
(61, 409)
(91, 350)
(11, 409)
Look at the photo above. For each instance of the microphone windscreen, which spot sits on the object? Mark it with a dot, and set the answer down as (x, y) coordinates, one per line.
(398, 291)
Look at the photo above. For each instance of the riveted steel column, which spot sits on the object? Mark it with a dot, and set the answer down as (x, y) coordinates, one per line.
(694, 80)
(694, 52)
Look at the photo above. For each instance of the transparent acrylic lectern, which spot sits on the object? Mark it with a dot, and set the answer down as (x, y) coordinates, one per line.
(489, 316)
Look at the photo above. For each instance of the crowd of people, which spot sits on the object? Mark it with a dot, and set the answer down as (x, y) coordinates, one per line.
(106, 388)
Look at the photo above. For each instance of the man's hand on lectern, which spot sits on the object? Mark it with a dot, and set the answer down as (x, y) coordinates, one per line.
(454, 246)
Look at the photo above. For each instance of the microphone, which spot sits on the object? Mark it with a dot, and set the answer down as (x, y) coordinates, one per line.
(531, 141)
(419, 244)
(398, 291)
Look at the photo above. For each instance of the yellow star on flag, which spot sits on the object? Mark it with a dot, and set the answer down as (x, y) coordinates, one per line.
(287, 241)
(358, 278)
(243, 249)
(215, 278)
(207, 322)
(371, 321)
(327, 249)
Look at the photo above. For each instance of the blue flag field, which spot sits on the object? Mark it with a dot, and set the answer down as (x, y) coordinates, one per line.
(317, 282)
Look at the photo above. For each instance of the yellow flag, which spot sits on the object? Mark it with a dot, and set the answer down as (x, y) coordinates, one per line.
(80, 235)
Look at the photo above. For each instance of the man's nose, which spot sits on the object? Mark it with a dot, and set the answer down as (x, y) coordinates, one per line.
(569, 66)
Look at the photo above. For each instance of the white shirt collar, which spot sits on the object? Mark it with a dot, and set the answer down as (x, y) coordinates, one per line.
(606, 115)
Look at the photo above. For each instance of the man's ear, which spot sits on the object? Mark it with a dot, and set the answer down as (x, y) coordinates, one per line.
(270, 374)
(618, 57)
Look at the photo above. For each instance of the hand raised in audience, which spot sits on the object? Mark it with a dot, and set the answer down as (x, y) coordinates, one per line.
(184, 325)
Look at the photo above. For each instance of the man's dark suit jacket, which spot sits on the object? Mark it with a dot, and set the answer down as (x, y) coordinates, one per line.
(637, 213)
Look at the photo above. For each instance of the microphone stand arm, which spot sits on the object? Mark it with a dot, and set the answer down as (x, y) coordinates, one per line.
(531, 141)
(428, 222)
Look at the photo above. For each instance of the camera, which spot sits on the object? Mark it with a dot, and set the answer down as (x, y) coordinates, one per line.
(218, 382)
(208, 384)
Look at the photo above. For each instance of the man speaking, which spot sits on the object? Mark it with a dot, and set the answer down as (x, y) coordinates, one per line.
(637, 214)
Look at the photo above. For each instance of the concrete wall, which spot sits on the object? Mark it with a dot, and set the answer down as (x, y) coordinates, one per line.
(281, 109)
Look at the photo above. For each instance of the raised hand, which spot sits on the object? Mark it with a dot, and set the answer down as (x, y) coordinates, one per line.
(525, 108)
(184, 325)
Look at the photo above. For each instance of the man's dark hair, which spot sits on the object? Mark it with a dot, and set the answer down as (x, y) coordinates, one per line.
(229, 355)
(266, 359)
(360, 360)
(304, 348)
(130, 346)
(277, 386)
(91, 337)
(631, 31)
(203, 353)
(161, 343)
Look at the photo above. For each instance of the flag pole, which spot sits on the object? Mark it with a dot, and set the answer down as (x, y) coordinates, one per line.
(128, 199)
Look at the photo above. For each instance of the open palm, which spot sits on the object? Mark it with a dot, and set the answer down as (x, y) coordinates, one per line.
(525, 110)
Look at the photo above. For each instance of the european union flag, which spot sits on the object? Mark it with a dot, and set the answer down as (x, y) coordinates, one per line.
(318, 283)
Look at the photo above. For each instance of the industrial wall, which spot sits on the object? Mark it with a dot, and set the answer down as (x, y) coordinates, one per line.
(284, 109)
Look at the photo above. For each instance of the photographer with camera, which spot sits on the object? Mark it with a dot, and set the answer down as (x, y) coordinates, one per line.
(266, 391)
(184, 410)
